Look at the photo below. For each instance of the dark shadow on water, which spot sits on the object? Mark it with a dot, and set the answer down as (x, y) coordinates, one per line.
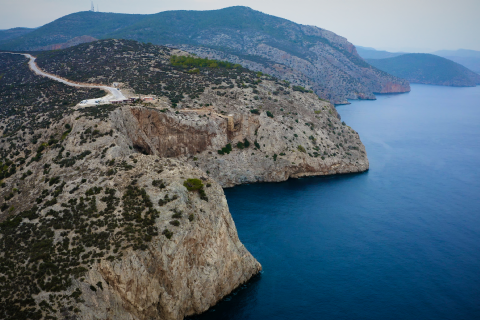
(238, 300)
(308, 180)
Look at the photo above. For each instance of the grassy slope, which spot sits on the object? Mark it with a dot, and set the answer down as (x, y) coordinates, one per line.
(428, 69)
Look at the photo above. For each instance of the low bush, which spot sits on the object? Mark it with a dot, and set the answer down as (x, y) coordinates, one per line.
(193, 184)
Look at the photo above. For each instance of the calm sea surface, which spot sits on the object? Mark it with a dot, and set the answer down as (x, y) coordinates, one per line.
(401, 241)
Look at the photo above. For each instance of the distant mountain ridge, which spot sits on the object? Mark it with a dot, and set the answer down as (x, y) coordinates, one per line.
(14, 33)
(467, 58)
(371, 53)
(304, 55)
(428, 69)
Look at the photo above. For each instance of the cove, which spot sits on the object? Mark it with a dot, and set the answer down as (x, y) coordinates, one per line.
(401, 241)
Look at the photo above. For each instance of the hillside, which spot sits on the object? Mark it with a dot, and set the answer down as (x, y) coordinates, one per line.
(467, 58)
(428, 69)
(117, 211)
(13, 33)
(304, 55)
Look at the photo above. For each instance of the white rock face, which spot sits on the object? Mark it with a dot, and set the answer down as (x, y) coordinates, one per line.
(289, 135)
(187, 274)
(184, 274)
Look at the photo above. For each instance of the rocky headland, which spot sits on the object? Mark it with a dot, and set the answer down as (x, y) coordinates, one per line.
(117, 211)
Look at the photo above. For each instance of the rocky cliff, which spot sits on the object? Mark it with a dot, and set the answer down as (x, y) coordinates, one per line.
(117, 211)
(290, 131)
(90, 228)
(119, 235)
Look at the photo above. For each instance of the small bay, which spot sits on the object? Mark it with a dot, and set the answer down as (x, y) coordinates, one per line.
(401, 241)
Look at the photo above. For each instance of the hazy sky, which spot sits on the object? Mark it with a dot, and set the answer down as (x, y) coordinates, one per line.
(408, 25)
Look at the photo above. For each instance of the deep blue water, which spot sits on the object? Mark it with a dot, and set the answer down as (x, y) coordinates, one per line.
(401, 241)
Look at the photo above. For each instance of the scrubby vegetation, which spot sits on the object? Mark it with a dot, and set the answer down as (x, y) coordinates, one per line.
(31, 102)
(146, 68)
(45, 252)
(193, 62)
(196, 185)
(225, 150)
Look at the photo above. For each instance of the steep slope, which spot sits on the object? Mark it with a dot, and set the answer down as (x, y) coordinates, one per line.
(428, 69)
(91, 228)
(117, 211)
(304, 55)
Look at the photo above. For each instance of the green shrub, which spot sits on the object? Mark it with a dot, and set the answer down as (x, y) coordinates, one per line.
(175, 223)
(203, 194)
(167, 233)
(301, 149)
(158, 183)
(183, 61)
(53, 181)
(177, 215)
(227, 149)
(193, 184)
(269, 114)
(299, 88)
(255, 111)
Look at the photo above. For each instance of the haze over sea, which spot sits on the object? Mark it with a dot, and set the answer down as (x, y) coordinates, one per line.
(401, 241)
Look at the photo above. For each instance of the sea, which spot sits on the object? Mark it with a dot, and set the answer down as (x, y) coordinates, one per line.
(400, 241)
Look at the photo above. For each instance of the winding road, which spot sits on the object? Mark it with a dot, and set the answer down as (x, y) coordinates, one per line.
(114, 93)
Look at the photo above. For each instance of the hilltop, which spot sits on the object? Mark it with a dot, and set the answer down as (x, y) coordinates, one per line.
(428, 69)
(117, 211)
(304, 55)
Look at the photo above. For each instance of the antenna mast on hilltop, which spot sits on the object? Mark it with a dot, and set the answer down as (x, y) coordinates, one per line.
(92, 8)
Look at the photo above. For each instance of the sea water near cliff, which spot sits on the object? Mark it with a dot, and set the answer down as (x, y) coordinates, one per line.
(401, 241)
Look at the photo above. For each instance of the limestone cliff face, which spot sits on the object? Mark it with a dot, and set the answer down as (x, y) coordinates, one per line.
(138, 244)
(293, 135)
(184, 275)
